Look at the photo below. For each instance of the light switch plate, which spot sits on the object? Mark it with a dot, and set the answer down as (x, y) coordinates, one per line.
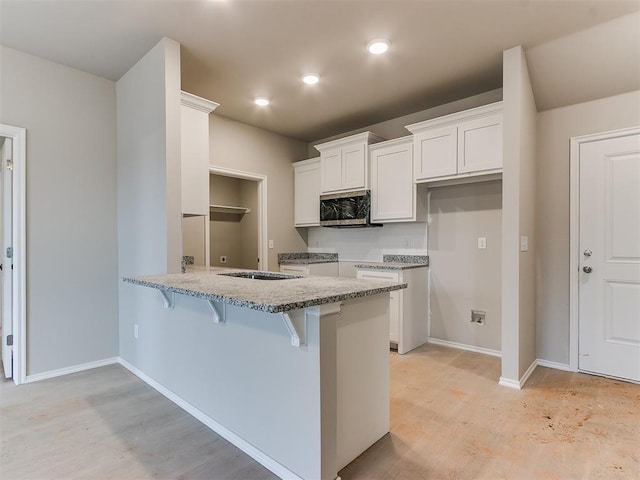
(270, 243)
(482, 243)
(524, 244)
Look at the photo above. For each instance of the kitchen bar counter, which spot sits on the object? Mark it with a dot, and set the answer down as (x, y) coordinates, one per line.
(293, 372)
(272, 296)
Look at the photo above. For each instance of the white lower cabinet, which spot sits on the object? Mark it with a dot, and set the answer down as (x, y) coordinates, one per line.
(408, 308)
(328, 269)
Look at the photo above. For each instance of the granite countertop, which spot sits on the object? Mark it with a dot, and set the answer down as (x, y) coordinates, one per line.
(272, 296)
(396, 262)
(304, 258)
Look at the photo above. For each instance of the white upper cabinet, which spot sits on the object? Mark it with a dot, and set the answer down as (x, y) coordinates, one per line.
(194, 118)
(436, 152)
(393, 192)
(307, 192)
(480, 144)
(461, 144)
(344, 163)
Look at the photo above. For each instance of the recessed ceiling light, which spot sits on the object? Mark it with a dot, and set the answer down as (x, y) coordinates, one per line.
(310, 78)
(378, 46)
(261, 101)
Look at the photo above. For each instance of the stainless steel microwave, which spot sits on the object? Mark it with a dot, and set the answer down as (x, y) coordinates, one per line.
(346, 209)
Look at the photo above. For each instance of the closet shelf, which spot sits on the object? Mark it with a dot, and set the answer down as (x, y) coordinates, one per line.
(228, 209)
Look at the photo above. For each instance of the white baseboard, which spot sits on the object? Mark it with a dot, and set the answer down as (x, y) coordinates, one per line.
(528, 373)
(462, 346)
(507, 382)
(518, 384)
(558, 366)
(67, 370)
(259, 456)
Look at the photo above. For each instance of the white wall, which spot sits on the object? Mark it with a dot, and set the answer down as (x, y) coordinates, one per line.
(394, 128)
(463, 277)
(149, 217)
(555, 129)
(72, 293)
(241, 147)
(518, 207)
(369, 244)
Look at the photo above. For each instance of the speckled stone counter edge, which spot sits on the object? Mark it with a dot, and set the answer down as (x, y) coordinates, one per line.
(397, 262)
(306, 257)
(424, 259)
(265, 307)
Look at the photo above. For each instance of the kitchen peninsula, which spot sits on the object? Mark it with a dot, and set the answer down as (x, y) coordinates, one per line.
(293, 370)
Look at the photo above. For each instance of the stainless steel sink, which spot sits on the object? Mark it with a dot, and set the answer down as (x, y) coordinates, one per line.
(261, 275)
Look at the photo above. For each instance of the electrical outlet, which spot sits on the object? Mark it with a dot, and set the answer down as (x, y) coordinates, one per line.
(135, 331)
(223, 259)
(478, 317)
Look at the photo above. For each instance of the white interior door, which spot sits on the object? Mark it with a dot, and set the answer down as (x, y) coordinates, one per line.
(6, 274)
(609, 243)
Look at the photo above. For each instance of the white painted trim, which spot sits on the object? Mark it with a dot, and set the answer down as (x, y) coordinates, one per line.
(197, 103)
(507, 382)
(528, 373)
(19, 320)
(263, 250)
(74, 369)
(462, 346)
(408, 139)
(258, 455)
(558, 366)
(453, 118)
(367, 137)
(518, 384)
(574, 234)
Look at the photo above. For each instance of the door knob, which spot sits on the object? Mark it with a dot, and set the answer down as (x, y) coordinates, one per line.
(588, 253)
(587, 269)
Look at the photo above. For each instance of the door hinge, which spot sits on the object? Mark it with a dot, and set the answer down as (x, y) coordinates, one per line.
(9, 164)
(9, 252)
(9, 340)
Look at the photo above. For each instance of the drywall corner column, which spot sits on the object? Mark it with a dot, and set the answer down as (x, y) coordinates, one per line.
(518, 220)
(148, 152)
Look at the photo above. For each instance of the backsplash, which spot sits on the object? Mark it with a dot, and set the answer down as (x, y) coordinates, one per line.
(370, 244)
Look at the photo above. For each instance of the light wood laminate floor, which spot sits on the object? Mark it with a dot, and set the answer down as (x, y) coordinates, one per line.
(449, 420)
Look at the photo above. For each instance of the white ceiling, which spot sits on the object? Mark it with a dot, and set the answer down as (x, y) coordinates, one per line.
(442, 50)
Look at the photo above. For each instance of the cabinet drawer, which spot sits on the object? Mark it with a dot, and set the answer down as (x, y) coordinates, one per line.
(295, 269)
(378, 275)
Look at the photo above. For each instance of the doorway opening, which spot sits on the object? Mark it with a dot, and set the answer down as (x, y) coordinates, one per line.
(13, 251)
(237, 219)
